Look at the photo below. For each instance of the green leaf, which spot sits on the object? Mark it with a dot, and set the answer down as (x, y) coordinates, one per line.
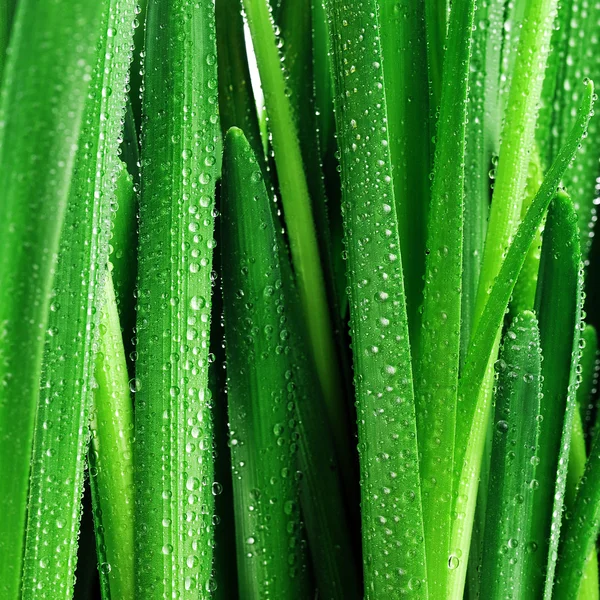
(59, 183)
(472, 413)
(390, 483)
(404, 50)
(173, 430)
(525, 288)
(260, 383)
(576, 51)
(236, 98)
(506, 565)
(436, 381)
(581, 529)
(111, 456)
(481, 145)
(299, 221)
(558, 306)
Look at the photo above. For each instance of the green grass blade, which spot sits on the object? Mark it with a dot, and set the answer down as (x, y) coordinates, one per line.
(123, 246)
(173, 450)
(589, 373)
(558, 305)
(299, 219)
(576, 47)
(436, 17)
(484, 338)
(436, 381)
(517, 139)
(390, 483)
(589, 588)
(481, 145)
(260, 382)
(111, 455)
(236, 99)
(61, 437)
(525, 288)
(61, 43)
(581, 529)
(404, 49)
(473, 426)
(294, 20)
(506, 566)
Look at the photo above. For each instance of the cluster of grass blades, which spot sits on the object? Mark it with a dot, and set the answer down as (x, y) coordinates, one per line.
(297, 299)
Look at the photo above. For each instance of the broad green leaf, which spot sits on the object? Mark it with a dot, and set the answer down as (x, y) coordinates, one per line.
(390, 482)
(69, 178)
(558, 306)
(260, 383)
(111, 456)
(173, 451)
(299, 220)
(580, 530)
(436, 381)
(404, 50)
(506, 565)
(472, 415)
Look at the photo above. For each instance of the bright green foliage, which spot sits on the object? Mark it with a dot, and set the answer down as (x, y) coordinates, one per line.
(173, 451)
(390, 486)
(260, 383)
(404, 50)
(581, 529)
(236, 99)
(575, 55)
(589, 589)
(406, 160)
(558, 306)
(471, 426)
(437, 372)
(298, 213)
(517, 139)
(41, 190)
(111, 456)
(506, 566)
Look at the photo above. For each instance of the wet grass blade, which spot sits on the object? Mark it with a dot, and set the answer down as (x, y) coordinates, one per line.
(589, 588)
(469, 434)
(173, 450)
(390, 483)
(558, 306)
(575, 50)
(499, 296)
(436, 381)
(481, 146)
(404, 50)
(236, 99)
(506, 566)
(42, 190)
(589, 373)
(299, 220)
(525, 289)
(111, 456)
(581, 529)
(260, 382)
